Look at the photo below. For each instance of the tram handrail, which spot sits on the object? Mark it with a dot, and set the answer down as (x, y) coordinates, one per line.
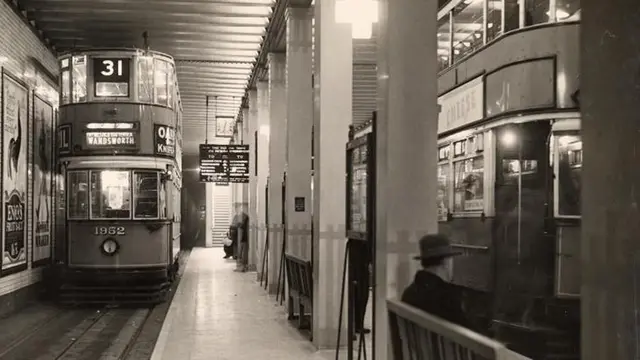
(415, 334)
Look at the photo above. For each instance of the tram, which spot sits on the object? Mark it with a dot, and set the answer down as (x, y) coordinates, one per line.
(119, 151)
(509, 198)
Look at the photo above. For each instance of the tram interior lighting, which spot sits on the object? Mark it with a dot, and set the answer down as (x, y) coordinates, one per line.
(560, 14)
(508, 138)
(112, 184)
(109, 126)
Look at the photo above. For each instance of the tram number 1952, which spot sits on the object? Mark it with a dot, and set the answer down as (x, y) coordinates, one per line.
(109, 230)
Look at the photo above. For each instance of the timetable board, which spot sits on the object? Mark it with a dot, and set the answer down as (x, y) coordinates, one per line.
(224, 163)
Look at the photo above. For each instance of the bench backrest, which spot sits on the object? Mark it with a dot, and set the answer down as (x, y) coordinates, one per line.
(416, 335)
(299, 275)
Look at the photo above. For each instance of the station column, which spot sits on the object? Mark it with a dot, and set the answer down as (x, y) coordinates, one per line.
(262, 148)
(610, 101)
(333, 66)
(277, 150)
(249, 122)
(299, 123)
(407, 126)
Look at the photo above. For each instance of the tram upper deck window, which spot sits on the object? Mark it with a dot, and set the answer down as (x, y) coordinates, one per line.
(65, 81)
(79, 79)
(569, 170)
(110, 194)
(78, 190)
(111, 77)
(161, 82)
(444, 42)
(145, 79)
(467, 28)
(145, 194)
(170, 84)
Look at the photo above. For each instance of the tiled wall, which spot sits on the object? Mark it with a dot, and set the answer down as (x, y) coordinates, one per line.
(20, 49)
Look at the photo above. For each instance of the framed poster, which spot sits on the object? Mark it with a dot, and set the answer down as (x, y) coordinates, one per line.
(42, 177)
(14, 174)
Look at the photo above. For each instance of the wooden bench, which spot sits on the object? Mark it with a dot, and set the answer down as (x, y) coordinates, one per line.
(300, 283)
(414, 334)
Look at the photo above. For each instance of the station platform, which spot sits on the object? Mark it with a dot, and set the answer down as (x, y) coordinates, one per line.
(222, 314)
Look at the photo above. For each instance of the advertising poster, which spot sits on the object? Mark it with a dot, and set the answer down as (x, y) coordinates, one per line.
(42, 181)
(14, 175)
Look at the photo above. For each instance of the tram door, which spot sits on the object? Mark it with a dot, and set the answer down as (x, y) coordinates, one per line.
(521, 267)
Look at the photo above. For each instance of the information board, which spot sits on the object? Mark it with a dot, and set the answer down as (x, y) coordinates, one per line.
(224, 163)
(360, 187)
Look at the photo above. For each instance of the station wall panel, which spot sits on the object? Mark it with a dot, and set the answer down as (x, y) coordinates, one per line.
(20, 50)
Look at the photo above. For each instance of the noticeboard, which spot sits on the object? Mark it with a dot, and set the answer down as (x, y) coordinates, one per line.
(360, 186)
(224, 163)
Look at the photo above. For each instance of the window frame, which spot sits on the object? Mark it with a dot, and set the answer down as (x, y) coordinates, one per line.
(134, 192)
(71, 79)
(166, 63)
(69, 192)
(131, 89)
(151, 60)
(469, 154)
(556, 172)
(68, 69)
(91, 217)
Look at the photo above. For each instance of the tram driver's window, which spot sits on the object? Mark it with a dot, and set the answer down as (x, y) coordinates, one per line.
(146, 194)
(78, 182)
(79, 78)
(110, 194)
(569, 173)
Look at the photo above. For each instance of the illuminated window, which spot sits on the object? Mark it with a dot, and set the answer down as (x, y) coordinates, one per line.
(444, 176)
(145, 195)
(78, 203)
(569, 173)
(467, 28)
(110, 194)
(444, 42)
(145, 79)
(161, 82)
(171, 84)
(79, 78)
(468, 175)
(66, 87)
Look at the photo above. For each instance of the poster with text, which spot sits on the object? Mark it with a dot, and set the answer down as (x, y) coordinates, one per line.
(42, 180)
(14, 174)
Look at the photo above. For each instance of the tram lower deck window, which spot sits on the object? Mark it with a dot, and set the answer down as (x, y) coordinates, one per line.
(145, 194)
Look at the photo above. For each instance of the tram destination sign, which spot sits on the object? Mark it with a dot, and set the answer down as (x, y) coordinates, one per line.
(164, 140)
(224, 163)
(111, 139)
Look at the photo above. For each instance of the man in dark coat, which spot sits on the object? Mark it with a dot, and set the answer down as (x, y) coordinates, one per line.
(431, 290)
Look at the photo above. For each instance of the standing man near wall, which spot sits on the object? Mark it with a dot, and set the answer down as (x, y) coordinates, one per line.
(241, 223)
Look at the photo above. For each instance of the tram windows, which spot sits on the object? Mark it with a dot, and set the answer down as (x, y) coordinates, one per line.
(79, 79)
(145, 194)
(106, 89)
(444, 178)
(145, 79)
(569, 171)
(468, 191)
(66, 87)
(110, 194)
(78, 200)
(160, 82)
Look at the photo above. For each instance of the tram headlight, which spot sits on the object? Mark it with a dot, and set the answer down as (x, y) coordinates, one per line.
(109, 247)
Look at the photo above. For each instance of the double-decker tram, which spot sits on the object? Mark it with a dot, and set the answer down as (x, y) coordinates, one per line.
(119, 145)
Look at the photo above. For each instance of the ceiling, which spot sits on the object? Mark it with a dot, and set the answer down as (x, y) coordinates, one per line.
(216, 44)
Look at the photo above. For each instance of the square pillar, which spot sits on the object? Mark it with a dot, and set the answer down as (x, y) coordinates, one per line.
(263, 130)
(333, 66)
(251, 122)
(407, 127)
(277, 152)
(299, 124)
(209, 214)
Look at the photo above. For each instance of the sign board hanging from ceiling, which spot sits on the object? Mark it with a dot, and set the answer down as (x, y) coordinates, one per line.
(224, 163)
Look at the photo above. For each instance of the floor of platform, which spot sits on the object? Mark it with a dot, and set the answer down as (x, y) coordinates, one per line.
(224, 315)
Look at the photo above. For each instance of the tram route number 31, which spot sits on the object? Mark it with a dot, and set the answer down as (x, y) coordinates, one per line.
(109, 230)
(111, 70)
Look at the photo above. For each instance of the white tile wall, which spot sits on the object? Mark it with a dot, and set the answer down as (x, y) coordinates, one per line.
(18, 47)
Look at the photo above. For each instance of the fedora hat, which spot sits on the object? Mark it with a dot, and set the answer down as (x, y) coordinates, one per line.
(434, 246)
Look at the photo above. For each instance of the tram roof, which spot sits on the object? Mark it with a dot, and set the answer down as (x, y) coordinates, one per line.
(98, 50)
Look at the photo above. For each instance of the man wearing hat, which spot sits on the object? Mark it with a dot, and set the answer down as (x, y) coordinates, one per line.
(431, 290)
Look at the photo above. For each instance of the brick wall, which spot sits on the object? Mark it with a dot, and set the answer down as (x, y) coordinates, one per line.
(20, 48)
